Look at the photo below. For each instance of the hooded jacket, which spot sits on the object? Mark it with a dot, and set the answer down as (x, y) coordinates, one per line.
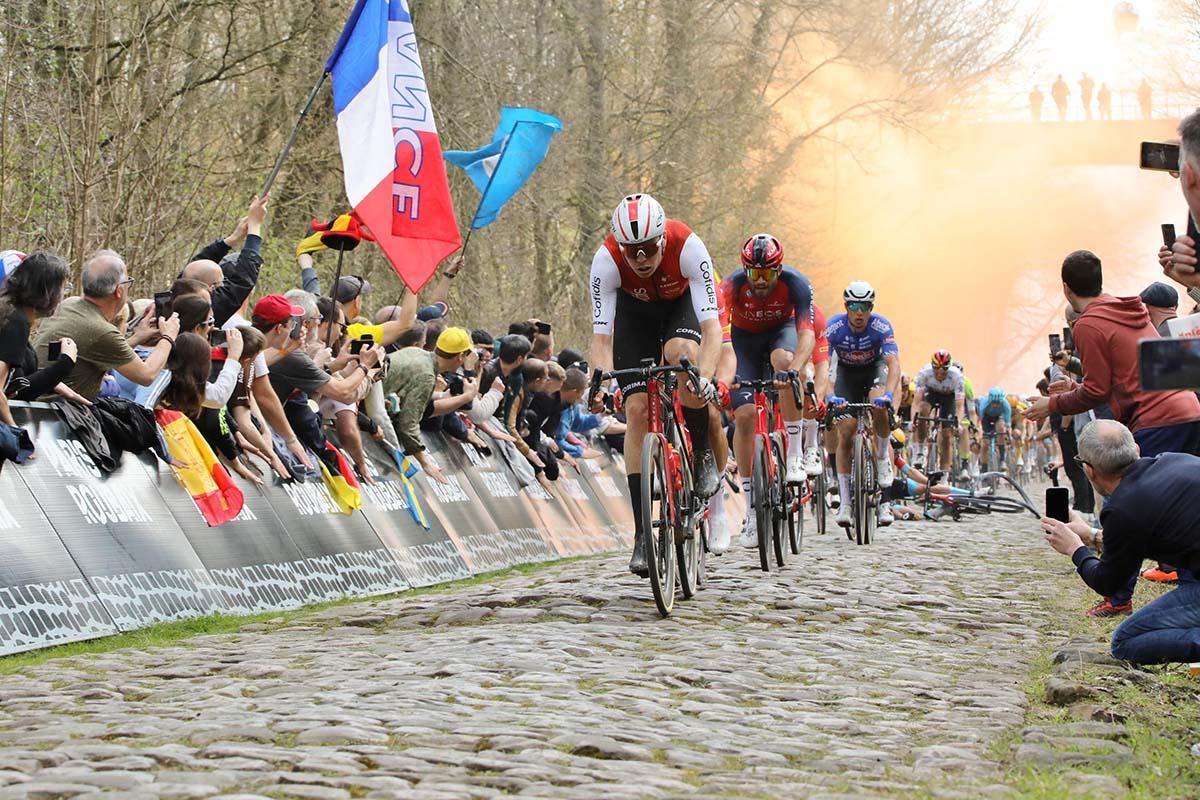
(1107, 336)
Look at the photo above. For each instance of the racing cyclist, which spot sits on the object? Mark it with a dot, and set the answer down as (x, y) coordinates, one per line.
(653, 297)
(940, 393)
(770, 310)
(995, 416)
(868, 369)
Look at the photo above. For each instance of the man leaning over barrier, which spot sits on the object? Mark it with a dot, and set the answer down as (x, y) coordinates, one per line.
(1150, 512)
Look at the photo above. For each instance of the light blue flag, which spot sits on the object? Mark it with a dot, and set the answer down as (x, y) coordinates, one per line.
(500, 168)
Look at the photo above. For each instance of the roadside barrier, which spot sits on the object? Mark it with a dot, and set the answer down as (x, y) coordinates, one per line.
(83, 554)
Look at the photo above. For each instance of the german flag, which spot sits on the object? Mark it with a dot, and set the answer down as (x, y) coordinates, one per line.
(198, 470)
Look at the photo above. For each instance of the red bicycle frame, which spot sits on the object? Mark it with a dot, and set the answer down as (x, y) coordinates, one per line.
(654, 427)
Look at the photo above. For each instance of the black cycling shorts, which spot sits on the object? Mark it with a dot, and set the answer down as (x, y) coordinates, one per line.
(988, 423)
(941, 403)
(641, 329)
(855, 383)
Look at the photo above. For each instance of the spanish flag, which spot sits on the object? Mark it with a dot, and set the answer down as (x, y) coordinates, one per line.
(198, 470)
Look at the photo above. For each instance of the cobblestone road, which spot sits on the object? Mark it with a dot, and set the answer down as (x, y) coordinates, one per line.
(877, 670)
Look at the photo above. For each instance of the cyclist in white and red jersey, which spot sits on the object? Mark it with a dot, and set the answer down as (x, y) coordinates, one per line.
(653, 297)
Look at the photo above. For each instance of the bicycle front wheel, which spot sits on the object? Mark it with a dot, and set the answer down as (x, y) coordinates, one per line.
(760, 495)
(659, 527)
(863, 488)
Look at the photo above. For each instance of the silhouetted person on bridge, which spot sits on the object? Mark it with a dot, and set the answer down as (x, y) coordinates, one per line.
(1144, 95)
(1060, 92)
(1104, 98)
(1035, 103)
(1086, 85)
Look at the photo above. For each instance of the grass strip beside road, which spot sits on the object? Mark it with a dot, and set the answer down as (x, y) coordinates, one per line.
(168, 633)
(1159, 707)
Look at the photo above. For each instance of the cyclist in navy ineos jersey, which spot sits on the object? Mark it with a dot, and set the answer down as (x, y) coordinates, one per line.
(868, 370)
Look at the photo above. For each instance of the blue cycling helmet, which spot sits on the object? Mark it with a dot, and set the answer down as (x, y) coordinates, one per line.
(996, 395)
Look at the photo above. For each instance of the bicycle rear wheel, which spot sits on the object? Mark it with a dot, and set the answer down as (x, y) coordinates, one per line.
(760, 490)
(820, 501)
(659, 528)
(780, 501)
(688, 546)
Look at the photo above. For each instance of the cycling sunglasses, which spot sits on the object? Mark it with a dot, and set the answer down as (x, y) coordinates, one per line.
(646, 249)
(859, 306)
(760, 273)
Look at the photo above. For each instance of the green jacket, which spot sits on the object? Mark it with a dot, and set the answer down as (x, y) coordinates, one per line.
(410, 377)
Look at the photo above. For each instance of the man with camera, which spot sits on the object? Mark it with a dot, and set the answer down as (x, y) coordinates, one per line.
(1149, 513)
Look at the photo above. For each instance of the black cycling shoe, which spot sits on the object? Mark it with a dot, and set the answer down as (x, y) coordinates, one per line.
(637, 562)
(708, 477)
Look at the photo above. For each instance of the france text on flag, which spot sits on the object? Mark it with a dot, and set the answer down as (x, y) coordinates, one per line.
(391, 154)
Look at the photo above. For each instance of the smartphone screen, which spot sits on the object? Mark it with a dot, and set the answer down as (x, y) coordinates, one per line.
(1068, 340)
(162, 304)
(1058, 503)
(1168, 232)
(1170, 364)
(54, 350)
(543, 328)
(1055, 344)
(297, 328)
(1161, 156)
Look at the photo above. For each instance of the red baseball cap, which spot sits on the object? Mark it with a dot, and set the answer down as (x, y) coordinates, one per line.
(275, 308)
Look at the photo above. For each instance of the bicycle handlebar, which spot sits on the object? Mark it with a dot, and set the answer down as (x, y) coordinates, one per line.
(792, 377)
(649, 370)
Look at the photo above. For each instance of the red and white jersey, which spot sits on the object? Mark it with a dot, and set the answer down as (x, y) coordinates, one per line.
(686, 267)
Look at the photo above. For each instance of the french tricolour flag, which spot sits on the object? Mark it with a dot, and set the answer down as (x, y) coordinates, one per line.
(391, 154)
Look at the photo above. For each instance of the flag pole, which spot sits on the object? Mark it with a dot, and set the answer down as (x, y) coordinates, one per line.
(312, 96)
(483, 195)
(333, 305)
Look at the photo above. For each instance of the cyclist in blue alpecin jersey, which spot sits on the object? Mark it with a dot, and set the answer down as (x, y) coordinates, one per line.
(995, 416)
(868, 370)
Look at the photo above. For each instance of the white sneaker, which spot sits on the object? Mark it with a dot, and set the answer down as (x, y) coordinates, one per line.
(718, 534)
(812, 462)
(844, 518)
(887, 472)
(750, 531)
(885, 517)
(796, 470)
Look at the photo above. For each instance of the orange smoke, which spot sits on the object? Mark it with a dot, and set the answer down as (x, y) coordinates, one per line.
(962, 229)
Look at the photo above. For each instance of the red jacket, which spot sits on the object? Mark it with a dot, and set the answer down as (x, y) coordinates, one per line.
(1107, 336)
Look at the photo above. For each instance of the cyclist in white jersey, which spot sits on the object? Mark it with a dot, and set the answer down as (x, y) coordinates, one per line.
(940, 392)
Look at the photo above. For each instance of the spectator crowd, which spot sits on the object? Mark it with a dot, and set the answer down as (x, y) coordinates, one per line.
(1132, 453)
(265, 378)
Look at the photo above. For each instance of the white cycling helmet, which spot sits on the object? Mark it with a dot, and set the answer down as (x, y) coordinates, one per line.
(638, 218)
(859, 292)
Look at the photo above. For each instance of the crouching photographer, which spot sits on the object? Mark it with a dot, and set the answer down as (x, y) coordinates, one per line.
(1149, 513)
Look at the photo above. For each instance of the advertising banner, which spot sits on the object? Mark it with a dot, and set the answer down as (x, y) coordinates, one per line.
(44, 598)
(117, 529)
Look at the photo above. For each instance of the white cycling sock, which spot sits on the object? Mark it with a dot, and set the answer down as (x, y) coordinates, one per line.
(809, 432)
(746, 484)
(844, 487)
(716, 503)
(793, 440)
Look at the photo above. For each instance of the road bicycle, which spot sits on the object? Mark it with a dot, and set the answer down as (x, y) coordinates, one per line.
(673, 518)
(931, 459)
(818, 487)
(864, 483)
(777, 503)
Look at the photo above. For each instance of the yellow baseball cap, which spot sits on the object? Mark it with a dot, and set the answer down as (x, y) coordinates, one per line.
(454, 341)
